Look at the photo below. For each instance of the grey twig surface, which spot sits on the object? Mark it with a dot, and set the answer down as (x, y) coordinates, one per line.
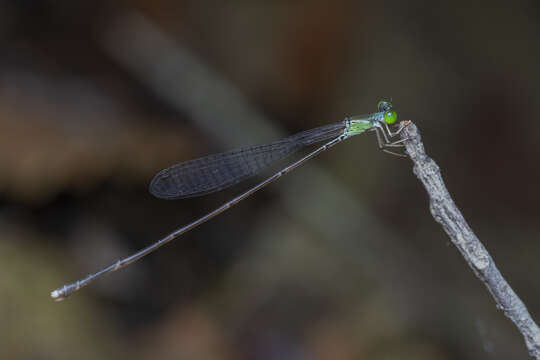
(446, 213)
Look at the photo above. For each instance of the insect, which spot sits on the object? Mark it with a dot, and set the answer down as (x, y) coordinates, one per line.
(213, 173)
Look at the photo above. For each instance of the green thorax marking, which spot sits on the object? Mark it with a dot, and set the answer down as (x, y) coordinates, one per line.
(361, 123)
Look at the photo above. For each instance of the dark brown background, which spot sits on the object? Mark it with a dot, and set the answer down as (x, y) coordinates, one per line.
(338, 260)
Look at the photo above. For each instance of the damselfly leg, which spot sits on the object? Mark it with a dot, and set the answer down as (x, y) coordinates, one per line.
(384, 139)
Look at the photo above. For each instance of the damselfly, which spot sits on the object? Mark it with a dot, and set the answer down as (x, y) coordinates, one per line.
(213, 173)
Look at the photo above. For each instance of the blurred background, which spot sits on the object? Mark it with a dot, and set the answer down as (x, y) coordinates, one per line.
(339, 259)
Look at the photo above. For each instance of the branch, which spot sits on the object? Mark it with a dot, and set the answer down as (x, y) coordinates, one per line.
(446, 213)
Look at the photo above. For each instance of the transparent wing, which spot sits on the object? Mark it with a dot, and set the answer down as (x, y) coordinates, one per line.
(212, 173)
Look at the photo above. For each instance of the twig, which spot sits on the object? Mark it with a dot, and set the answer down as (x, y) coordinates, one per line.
(446, 213)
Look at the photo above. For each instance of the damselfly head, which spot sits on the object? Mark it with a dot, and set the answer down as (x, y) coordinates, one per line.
(389, 115)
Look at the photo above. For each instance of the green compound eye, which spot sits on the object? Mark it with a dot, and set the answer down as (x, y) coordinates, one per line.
(384, 105)
(390, 117)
